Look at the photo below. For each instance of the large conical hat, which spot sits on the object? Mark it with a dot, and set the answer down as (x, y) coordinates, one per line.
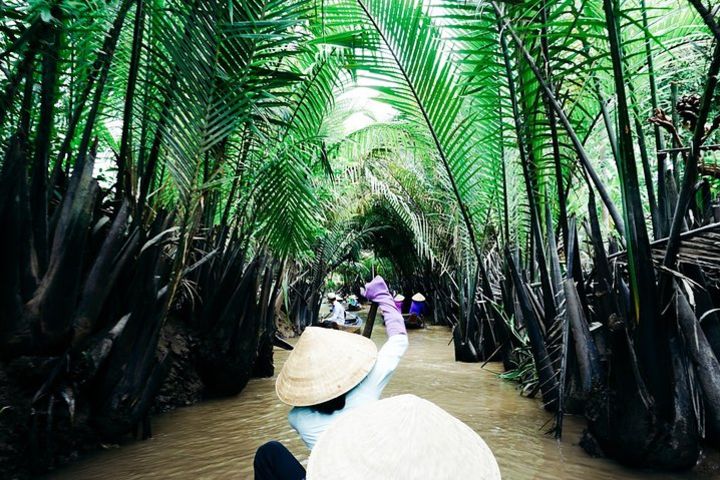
(399, 298)
(323, 365)
(418, 297)
(403, 437)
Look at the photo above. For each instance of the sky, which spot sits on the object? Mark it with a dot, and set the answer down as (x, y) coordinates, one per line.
(368, 110)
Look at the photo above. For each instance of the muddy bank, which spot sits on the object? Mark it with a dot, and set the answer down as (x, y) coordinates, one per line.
(35, 440)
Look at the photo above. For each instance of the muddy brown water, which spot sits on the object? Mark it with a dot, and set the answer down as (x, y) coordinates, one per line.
(217, 439)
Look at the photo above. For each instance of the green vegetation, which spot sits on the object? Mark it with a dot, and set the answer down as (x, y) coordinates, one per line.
(178, 172)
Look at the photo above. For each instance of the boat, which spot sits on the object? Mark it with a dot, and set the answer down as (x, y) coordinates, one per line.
(413, 322)
(350, 328)
(353, 324)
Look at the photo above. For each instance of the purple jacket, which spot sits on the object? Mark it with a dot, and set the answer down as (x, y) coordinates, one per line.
(377, 291)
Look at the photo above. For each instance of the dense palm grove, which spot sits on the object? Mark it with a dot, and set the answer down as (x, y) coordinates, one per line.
(178, 177)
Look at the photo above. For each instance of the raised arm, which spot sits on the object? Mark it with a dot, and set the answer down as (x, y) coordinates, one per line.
(377, 291)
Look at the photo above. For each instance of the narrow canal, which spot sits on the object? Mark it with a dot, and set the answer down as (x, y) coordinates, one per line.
(217, 439)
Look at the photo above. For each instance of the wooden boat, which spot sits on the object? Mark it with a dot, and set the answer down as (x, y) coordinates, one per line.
(350, 328)
(413, 322)
(353, 324)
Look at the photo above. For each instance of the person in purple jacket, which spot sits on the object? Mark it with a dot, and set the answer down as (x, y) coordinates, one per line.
(399, 299)
(320, 395)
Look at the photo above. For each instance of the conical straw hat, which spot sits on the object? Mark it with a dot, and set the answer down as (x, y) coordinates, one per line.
(418, 297)
(401, 438)
(323, 365)
(331, 296)
(399, 298)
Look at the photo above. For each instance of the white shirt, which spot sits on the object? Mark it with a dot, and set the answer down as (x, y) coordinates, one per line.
(310, 424)
(338, 313)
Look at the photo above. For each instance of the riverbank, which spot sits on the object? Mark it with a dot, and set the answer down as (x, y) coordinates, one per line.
(218, 438)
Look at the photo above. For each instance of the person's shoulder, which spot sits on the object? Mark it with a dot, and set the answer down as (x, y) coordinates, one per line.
(305, 419)
(297, 415)
(293, 414)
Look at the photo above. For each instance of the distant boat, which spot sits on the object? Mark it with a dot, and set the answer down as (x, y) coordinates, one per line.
(353, 324)
(350, 328)
(413, 322)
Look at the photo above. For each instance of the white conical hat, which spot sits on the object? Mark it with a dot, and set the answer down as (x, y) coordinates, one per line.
(323, 365)
(403, 437)
(331, 296)
(399, 298)
(418, 297)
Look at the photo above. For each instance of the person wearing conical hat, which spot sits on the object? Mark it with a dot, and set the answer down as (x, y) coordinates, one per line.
(353, 304)
(403, 437)
(417, 306)
(337, 311)
(328, 374)
(399, 299)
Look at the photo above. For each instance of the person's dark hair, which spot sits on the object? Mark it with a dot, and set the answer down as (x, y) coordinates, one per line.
(337, 403)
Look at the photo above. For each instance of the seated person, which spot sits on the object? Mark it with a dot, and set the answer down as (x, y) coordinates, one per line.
(418, 305)
(337, 311)
(353, 304)
(399, 299)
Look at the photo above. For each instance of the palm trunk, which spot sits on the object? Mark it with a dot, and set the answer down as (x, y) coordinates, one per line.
(700, 350)
(548, 380)
(663, 220)
(526, 159)
(52, 36)
(15, 80)
(651, 337)
(645, 160)
(123, 183)
(552, 119)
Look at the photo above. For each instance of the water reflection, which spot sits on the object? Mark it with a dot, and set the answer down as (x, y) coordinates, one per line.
(217, 439)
